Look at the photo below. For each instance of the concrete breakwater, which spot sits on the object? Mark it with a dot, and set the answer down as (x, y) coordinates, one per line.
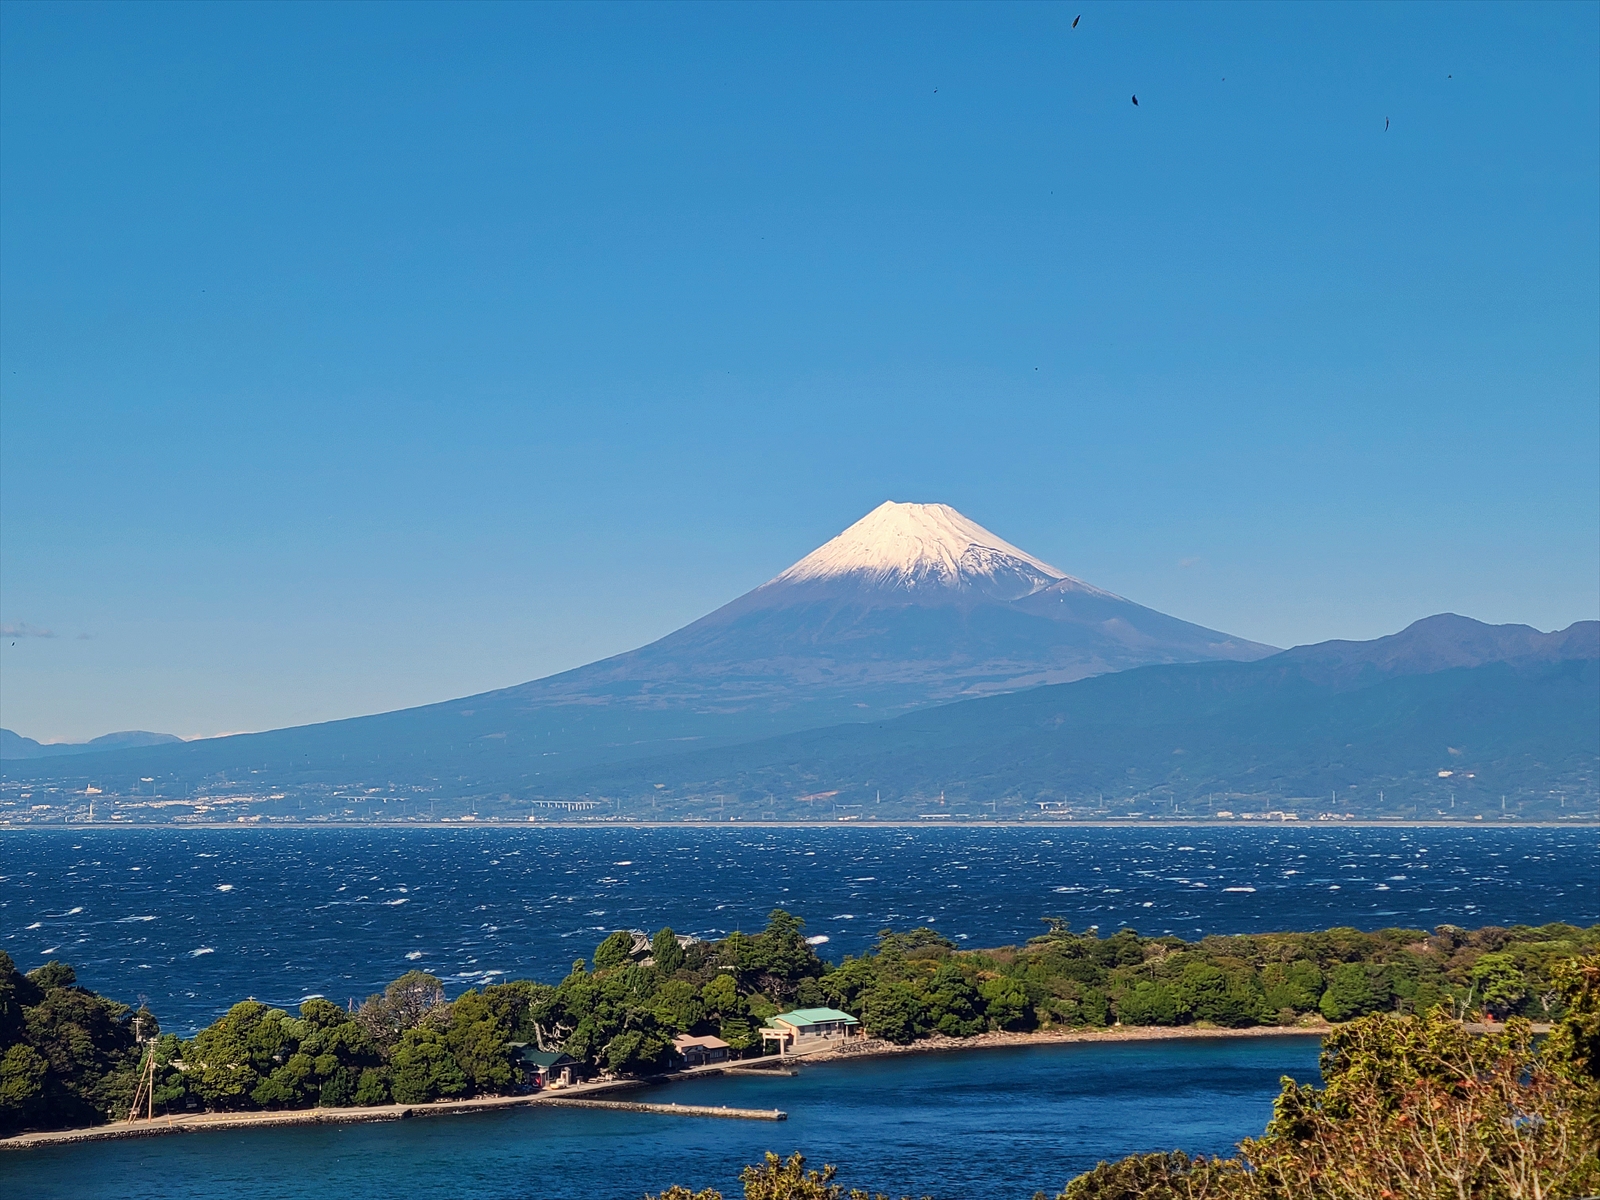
(676, 1110)
(203, 1122)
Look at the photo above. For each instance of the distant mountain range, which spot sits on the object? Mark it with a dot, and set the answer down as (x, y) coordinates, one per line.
(919, 656)
(15, 746)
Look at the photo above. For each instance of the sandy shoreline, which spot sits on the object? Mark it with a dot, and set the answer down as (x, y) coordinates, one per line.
(838, 1052)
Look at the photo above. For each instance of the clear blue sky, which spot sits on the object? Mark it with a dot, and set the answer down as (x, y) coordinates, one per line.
(361, 356)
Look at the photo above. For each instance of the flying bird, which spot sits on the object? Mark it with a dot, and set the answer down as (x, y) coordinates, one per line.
(1076, 19)
(1386, 124)
(1136, 102)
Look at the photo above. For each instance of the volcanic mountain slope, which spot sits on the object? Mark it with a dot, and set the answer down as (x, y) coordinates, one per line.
(1448, 709)
(912, 605)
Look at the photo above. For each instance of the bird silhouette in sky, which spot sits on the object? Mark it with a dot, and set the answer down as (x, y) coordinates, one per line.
(1386, 124)
(1076, 19)
(1136, 102)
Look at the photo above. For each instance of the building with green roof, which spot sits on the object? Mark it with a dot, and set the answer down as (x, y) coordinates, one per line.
(808, 1028)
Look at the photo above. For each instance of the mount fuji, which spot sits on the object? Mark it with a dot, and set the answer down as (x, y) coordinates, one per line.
(913, 605)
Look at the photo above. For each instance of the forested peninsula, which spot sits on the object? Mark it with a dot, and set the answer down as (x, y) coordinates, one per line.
(1411, 1107)
(73, 1058)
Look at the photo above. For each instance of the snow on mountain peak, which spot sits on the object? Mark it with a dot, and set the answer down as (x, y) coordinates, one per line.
(925, 545)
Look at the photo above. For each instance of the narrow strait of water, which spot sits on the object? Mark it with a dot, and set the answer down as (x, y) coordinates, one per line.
(196, 919)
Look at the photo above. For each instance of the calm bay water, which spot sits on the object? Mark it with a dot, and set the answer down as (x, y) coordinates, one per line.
(197, 919)
(974, 1125)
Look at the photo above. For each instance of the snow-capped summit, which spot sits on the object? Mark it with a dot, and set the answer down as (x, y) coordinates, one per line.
(922, 546)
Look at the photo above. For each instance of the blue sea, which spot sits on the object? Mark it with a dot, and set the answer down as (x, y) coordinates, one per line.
(192, 920)
(197, 919)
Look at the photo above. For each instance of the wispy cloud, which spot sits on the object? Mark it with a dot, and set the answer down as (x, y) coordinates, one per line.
(25, 630)
(1186, 563)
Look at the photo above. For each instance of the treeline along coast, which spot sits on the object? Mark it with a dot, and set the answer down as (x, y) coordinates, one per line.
(74, 1058)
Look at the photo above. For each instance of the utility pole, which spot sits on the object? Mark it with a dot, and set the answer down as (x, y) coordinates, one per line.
(146, 1089)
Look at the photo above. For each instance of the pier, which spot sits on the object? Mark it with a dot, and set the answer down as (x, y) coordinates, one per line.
(675, 1110)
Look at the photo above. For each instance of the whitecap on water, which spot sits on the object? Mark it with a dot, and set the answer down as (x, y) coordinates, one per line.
(202, 950)
(414, 955)
(36, 925)
(224, 887)
(401, 900)
(125, 920)
(818, 940)
(627, 862)
(1239, 889)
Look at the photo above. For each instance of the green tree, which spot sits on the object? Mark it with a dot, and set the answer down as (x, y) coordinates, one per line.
(477, 1039)
(638, 1051)
(1500, 985)
(614, 952)
(373, 1088)
(678, 1006)
(1353, 991)
(422, 1068)
(665, 950)
(1295, 985)
(953, 1003)
(338, 1088)
(721, 997)
(230, 1058)
(1149, 1003)
(22, 1076)
(1005, 1003)
(893, 1012)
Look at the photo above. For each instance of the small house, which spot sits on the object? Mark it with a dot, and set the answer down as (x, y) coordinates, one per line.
(543, 1068)
(700, 1051)
(808, 1028)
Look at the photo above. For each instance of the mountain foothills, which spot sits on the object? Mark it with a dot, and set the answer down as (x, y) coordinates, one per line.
(918, 666)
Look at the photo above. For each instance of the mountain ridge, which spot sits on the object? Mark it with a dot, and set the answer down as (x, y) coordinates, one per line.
(1524, 716)
(14, 746)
